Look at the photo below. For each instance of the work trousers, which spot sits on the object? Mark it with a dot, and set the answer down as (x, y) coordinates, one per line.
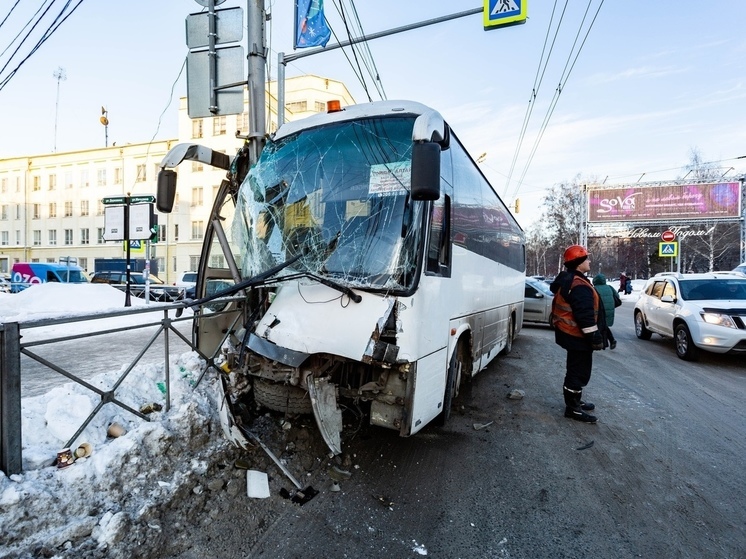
(579, 364)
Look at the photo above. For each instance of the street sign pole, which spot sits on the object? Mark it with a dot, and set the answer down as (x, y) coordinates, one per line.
(127, 299)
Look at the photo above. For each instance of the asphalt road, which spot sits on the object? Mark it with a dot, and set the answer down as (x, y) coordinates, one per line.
(660, 475)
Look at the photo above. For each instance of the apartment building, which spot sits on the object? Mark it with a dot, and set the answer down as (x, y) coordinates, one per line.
(51, 205)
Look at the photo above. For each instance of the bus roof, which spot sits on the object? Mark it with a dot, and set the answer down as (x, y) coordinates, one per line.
(351, 112)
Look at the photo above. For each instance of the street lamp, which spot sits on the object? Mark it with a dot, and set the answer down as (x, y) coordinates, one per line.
(105, 121)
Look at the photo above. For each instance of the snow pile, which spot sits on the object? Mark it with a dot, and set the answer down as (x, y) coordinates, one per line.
(109, 503)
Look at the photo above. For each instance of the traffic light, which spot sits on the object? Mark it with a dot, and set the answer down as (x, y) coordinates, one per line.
(517, 205)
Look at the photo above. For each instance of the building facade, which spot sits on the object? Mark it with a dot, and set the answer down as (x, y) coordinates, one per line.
(51, 205)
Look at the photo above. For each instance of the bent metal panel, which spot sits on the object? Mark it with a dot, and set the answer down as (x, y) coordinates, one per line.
(672, 202)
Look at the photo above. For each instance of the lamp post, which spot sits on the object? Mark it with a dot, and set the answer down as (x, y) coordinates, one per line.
(105, 121)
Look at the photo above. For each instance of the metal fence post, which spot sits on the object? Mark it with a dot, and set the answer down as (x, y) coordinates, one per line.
(10, 399)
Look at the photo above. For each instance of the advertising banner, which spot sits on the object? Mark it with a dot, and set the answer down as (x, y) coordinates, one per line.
(670, 202)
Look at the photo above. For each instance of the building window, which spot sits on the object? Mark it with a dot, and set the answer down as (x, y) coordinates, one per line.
(176, 202)
(100, 208)
(320, 106)
(196, 196)
(4, 185)
(162, 233)
(297, 107)
(37, 237)
(53, 209)
(101, 177)
(4, 238)
(4, 212)
(53, 237)
(18, 237)
(197, 230)
(84, 207)
(84, 181)
(36, 211)
(69, 179)
(197, 128)
(99, 235)
(176, 231)
(18, 184)
(242, 123)
(217, 261)
(83, 263)
(117, 175)
(36, 182)
(197, 166)
(68, 208)
(18, 211)
(52, 182)
(218, 125)
(142, 173)
(84, 237)
(68, 237)
(194, 262)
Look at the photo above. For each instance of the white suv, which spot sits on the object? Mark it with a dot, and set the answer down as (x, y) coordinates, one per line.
(700, 311)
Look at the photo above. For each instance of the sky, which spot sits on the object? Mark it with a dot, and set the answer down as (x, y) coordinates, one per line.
(652, 82)
(93, 501)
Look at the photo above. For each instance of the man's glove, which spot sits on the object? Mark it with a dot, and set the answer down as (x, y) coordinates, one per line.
(597, 340)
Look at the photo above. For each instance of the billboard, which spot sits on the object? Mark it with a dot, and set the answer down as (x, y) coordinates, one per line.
(670, 202)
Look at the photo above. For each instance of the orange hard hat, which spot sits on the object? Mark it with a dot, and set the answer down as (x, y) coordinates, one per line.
(574, 252)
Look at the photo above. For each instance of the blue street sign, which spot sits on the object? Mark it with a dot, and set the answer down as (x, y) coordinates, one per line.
(501, 13)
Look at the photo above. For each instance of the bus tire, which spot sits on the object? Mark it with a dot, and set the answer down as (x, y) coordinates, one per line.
(282, 397)
(509, 340)
(453, 380)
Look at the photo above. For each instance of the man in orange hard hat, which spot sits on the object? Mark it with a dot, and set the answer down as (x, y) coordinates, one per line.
(579, 326)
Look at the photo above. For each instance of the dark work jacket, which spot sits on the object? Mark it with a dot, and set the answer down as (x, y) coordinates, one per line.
(581, 299)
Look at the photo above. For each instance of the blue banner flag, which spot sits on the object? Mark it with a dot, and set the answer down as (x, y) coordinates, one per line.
(311, 29)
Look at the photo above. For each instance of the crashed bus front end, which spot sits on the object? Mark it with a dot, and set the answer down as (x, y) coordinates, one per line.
(325, 241)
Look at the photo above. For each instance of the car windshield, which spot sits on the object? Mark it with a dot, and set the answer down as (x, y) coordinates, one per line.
(540, 286)
(139, 279)
(714, 290)
(337, 197)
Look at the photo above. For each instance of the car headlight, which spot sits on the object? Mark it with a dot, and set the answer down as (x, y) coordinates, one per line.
(719, 319)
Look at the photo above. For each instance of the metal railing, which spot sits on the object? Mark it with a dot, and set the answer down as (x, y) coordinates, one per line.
(12, 347)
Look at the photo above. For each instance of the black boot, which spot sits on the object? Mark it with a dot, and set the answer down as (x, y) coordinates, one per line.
(587, 406)
(574, 406)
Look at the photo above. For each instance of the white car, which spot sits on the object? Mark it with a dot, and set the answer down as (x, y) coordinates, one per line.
(186, 280)
(699, 311)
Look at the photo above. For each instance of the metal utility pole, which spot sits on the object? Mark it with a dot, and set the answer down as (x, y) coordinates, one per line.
(257, 58)
(59, 75)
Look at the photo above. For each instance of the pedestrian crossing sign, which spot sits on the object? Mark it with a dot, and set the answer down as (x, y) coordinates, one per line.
(501, 13)
(668, 249)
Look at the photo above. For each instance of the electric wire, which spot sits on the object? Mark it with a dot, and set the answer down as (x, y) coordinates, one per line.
(9, 14)
(558, 91)
(340, 10)
(363, 48)
(534, 92)
(56, 23)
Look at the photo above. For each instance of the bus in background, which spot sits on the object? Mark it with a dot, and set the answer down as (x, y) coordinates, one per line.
(379, 269)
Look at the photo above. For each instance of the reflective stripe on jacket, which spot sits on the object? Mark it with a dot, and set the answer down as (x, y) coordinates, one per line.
(562, 315)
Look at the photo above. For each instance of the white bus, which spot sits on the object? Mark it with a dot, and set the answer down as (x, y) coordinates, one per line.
(379, 267)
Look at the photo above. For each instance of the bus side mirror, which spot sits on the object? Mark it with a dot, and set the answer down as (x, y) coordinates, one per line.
(166, 191)
(425, 181)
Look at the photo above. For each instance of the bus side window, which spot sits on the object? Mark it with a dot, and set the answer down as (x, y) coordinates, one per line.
(439, 246)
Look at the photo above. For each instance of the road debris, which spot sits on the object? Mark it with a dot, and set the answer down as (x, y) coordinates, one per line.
(479, 426)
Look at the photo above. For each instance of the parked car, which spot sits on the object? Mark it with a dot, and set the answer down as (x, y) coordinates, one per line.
(186, 280)
(537, 303)
(159, 291)
(699, 311)
(741, 268)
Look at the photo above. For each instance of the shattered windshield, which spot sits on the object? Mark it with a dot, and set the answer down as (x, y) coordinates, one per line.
(336, 197)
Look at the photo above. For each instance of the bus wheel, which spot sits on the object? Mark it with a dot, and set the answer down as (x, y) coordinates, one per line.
(281, 397)
(509, 340)
(453, 381)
